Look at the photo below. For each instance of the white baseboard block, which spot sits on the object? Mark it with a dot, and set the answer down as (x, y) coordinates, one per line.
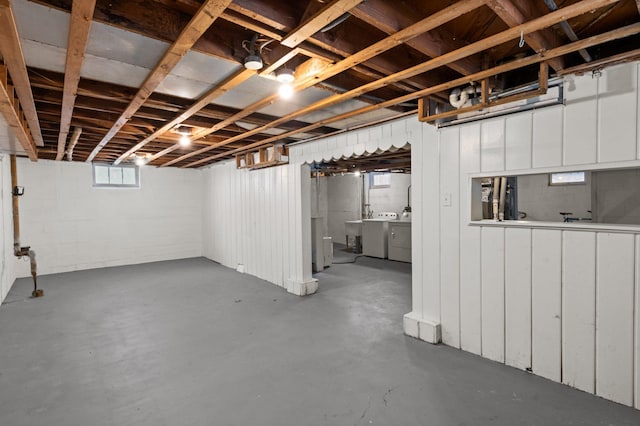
(419, 328)
(302, 288)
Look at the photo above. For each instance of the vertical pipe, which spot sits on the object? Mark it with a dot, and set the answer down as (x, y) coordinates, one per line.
(496, 197)
(16, 210)
(503, 198)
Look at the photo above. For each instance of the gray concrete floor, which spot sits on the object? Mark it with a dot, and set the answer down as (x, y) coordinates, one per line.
(189, 342)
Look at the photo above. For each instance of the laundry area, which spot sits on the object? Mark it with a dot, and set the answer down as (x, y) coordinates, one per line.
(361, 207)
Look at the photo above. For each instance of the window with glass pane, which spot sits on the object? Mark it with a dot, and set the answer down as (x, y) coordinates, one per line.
(107, 176)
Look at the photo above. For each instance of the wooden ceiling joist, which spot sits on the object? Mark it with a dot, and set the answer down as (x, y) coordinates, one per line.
(328, 14)
(202, 20)
(79, 27)
(219, 90)
(10, 108)
(388, 18)
(445, 15)
(514, 14)
(495, 40)
(620, 33)
(11, 51)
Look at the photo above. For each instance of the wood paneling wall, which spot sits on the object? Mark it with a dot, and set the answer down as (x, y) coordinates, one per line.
(563, 303)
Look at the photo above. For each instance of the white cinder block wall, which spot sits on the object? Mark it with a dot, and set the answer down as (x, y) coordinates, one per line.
(7, 270)
(73, 226)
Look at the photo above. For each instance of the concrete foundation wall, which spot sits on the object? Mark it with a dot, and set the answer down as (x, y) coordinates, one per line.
(73, 226)
(7, 267)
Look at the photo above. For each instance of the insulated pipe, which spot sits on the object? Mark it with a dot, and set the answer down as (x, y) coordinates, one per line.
(496, 197)
(503, 198)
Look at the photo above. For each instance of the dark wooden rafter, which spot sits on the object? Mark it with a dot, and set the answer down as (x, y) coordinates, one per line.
(497, 39)
(79, 27)
(391, 18)
(201, 21)
(620, 33)
(514, 14)
(11, 52)
(332, 11)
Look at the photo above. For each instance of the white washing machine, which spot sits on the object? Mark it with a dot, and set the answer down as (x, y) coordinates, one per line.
(375, 235)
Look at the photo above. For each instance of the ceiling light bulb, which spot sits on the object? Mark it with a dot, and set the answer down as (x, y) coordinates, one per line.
(357, 173)
(253, 62)
(141, 161)
(285, 75)
(285, 91)
(184, 140)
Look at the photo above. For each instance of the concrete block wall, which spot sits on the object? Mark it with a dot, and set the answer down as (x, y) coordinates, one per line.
(73, 226)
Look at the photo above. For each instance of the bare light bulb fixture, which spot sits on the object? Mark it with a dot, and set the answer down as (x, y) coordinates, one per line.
(285, 75)
(140, 160)
(184, 140)
(252, 61)
(286, 91)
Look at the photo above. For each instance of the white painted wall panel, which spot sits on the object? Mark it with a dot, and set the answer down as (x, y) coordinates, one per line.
(518, 298)
(547, 137)
(578, 309)
(518, 134)
(636, 376)
(615, 281)
(546, 275)
(493, 293)
(492, 145)
(450, 237)
(430, 185)
(618, 114)
(580, 121)
(417, 232)
(470, 289)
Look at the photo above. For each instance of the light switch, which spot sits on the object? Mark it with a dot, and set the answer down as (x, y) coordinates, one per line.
(446, 199)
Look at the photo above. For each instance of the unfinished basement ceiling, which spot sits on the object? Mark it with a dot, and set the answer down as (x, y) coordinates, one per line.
(144, 67)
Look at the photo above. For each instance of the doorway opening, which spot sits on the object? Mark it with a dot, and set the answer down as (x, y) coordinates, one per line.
(361, 215)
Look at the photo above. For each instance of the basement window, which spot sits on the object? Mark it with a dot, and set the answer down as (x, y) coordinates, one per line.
(567, 178)
(123, 176)
(379, 180)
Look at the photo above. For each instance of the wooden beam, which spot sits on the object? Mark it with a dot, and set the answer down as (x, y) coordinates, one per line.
(318, 20)
(201, 21)
(513, 16)
(632, 55)
(426, 24)
(481, 45)
(72, 143)
(11, 51)
(617, 34)
(391, 17)
(79, 27)
(219, 90)
(10, 109)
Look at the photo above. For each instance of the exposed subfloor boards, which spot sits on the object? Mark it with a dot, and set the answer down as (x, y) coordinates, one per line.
(190, 342)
